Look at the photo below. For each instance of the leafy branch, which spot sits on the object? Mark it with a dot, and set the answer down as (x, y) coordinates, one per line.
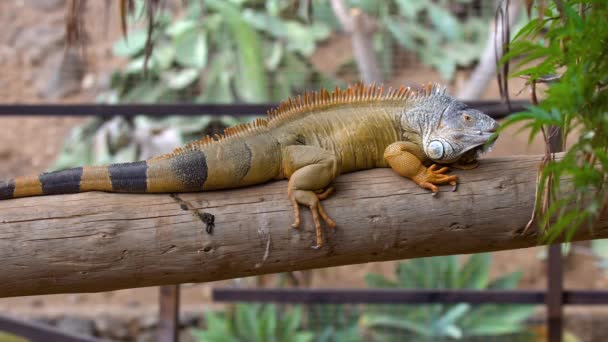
(563, 52)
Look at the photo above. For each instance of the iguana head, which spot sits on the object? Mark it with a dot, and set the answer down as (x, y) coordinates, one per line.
(450, 131)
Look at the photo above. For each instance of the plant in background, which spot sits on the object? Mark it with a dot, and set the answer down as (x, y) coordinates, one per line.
(431, 30)
(444, 321)
(565, 47)
(220, 51)
(122, 140)
(333, 322)
(437, 36)
(254, 323)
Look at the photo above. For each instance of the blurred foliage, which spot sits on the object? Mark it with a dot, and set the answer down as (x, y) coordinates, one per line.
(600, 250)
(433, 322)
(391, 322)
(333, 322)
(7, 337)
(122, 140)
(245, 50)
(254, 323)
(566, 48)
(431, 30)
(220, 52)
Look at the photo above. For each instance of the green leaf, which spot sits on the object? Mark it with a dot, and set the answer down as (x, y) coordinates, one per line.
(274, 56)
(217, 84)
(252, 78)
(267, 323)
(299, 38)
(163, 56)
(245, 320)
(217, 322)
(474, 273)
(443, 20)
(180, 79)
(180, 27)
(131, 45)
(398, 323)
(136, 66)
(296, 71)
(600, 248)
(146, 92)
(191, 49)
(400, 32)
(410, 8)
(260, 20)
(493, 320)
(303, 337)
(452, 315)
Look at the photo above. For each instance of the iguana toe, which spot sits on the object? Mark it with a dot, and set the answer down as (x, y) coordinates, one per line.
(431, 177)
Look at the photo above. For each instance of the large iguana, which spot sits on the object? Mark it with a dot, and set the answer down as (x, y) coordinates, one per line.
(309, 140)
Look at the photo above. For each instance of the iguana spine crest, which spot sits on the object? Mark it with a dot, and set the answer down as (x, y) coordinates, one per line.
(358, 93)
(314, 101)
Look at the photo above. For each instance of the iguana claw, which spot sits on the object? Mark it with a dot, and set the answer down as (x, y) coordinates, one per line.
(431, 177)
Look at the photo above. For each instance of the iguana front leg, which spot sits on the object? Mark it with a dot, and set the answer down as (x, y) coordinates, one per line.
(310, 171)
(404, 158)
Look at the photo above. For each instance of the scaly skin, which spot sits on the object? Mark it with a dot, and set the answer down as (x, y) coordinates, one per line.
(310, 141)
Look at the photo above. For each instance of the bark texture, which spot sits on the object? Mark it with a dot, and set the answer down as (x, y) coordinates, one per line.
(97, 241)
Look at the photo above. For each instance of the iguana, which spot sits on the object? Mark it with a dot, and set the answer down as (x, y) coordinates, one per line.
(310, 140)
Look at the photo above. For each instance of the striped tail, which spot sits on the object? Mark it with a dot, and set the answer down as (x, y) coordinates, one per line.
(216, 166)
(129, 177)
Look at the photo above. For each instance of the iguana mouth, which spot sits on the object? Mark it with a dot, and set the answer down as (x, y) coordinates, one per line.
(474, 152)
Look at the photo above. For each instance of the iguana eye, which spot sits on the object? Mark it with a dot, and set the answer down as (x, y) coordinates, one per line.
(467, 118)
(435, 150)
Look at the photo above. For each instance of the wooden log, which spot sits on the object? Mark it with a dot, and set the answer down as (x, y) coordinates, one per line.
(97, 241)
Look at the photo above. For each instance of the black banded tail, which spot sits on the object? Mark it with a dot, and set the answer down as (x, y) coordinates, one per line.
(127, 177)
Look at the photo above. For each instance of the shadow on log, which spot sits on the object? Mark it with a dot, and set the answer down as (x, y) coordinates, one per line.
(97, 241)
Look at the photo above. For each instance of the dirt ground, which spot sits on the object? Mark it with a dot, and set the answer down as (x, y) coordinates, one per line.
(30, 144)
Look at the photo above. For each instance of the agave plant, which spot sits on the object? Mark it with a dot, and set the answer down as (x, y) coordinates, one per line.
(254, 323)
(444, 321)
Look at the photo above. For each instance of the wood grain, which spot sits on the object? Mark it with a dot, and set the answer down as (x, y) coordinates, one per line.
(97, 241)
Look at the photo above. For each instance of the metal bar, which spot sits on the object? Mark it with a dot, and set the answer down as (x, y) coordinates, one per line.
(168, 324)
(103, 110)
(585, 297)
(493, 108)
(555, 272)
(555, 291)
(397, 296)
(35, 332)
(377, 296)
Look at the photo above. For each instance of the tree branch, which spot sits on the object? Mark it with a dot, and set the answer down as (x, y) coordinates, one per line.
(98, 241)
(361, 28)
(477, 84)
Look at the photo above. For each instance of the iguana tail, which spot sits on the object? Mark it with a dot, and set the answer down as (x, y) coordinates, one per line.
(205, 165)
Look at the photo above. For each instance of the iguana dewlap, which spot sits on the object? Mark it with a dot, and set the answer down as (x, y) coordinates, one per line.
(309, 140)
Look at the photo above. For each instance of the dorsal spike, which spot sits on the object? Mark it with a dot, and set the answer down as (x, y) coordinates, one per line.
(309, 101)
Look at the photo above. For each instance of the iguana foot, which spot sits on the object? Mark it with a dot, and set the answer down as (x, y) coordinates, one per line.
(430, 177)
(312, 200)
(325, 193)
(310, 171)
